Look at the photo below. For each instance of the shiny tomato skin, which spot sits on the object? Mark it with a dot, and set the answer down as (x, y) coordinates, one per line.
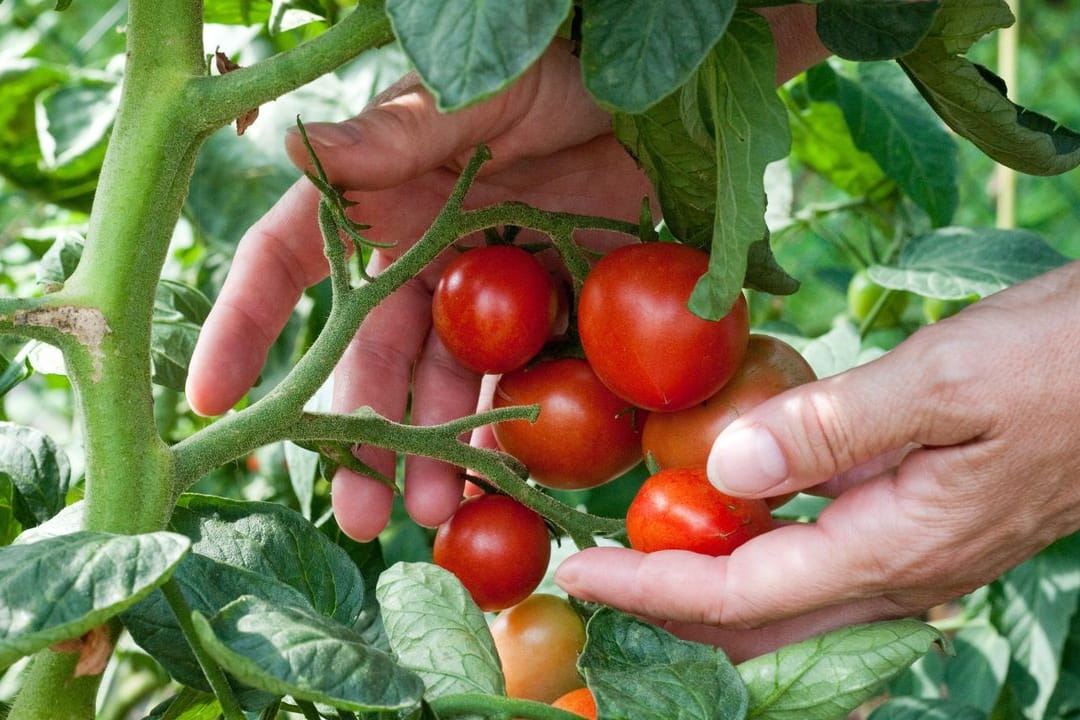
(584, 436)
(640, 337)
(498, 548)
(580, 701)
(679, 509)
(684, 438)
(494, 307)
(538, 642)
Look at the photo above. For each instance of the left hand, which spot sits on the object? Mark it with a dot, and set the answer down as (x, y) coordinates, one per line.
(951, 459)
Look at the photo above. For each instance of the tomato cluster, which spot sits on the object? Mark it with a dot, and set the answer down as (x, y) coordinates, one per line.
(656, 382)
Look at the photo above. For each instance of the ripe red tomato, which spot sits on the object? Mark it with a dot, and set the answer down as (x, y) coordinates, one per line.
(538, 642)
(684, 438)
(494, 307)
(679, 509)
(498, 548)
(584, 436)
(640, 337)
(580, 701)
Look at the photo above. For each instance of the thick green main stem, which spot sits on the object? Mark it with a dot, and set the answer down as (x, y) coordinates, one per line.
(102, 318)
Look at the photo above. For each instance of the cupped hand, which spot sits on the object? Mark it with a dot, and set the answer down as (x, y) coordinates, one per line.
(951, 459)
(551, 147)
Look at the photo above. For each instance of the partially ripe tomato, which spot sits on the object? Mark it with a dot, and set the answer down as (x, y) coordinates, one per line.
(640, 337)
(684, 438)
(538, 642)
(679, 509)
(494, 307)
(498, 548)
(584, 436)
(580, 701)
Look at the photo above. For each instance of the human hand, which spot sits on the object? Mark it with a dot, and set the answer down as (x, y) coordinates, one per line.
(551, 147)
(951, 459)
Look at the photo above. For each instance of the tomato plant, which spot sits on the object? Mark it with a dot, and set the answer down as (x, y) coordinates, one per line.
(684, 438)
(679, 509)
(580, 701)
(498, 548)
(640, 337)
(126, 187)
(538, 641)
(585, 434)
(494, 307)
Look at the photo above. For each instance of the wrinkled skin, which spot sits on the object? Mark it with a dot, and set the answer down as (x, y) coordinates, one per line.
(952, 458)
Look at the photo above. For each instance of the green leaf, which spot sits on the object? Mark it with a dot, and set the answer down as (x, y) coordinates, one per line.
(59, 261)
(179, 312)
(1032, 605)
(9, 526)
(289, 651)
(954, 263)
(636, 52)
(207, 587)
(15, 370)
(38, 468)
(59, 588)
(829, 675)
(188, 704)
(62, 5)
(437, 631)
(303, 466)
(973, 102)
(910, 708)
(874, 29)
(638, 670)
(888, 120)
(764, 273)
(73, 125)
(821, 140)
(959, 23)
(733, 96)
(466, 51)
(682, 171)
(22, 81)
(272, 540)
(246, 548)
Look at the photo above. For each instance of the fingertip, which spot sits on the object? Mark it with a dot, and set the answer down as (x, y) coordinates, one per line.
(433, 490)
(361, 505)
(747, 461)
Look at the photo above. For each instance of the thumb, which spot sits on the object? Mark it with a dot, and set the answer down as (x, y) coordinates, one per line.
(919, 393)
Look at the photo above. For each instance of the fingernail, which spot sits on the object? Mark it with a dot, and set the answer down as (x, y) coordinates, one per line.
(746, 461)
(326, 134)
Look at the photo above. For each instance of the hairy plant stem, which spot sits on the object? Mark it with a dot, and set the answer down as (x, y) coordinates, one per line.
(101, 319)
(230, 707)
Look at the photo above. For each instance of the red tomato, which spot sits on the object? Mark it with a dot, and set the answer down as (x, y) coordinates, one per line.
(498, 548)
(585, 434)
(494, 307)
(684, 438)
(642, 340)
(679, 509)
(538, 642)
(580, 701)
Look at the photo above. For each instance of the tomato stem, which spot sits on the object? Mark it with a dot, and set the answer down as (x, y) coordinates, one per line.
(230, 707)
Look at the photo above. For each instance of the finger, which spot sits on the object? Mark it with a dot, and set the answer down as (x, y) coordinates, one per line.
(275, 261)
(442, 390)
(919, 393)
(797, 44)
(403, 134)
(376, 371)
